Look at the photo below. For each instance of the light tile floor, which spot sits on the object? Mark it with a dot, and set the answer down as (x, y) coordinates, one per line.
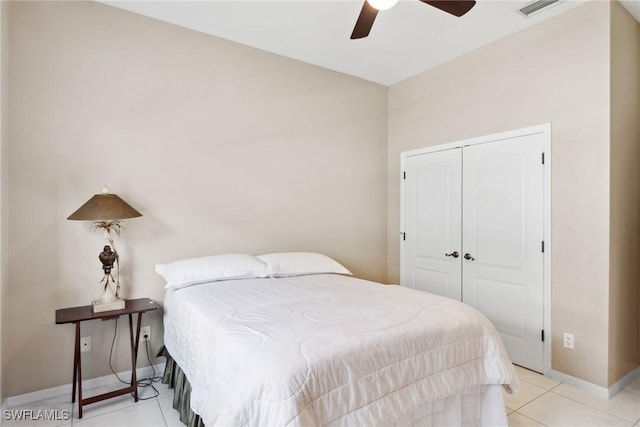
(539, 402)
(542, 401)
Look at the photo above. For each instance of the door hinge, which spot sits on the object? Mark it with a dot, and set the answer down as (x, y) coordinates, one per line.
(543, 158)
(404, 175)
(542, 335)
(543, 246)
(404, 235)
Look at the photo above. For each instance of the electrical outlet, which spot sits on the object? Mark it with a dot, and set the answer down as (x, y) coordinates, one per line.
(85, 344)
(568, 341)
(145, 333)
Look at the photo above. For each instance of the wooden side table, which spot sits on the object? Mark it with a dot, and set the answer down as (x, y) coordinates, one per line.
(77, 315)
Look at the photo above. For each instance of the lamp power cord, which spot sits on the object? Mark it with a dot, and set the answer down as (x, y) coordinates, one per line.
(141, 382)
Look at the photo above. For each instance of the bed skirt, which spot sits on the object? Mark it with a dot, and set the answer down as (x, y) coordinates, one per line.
(482, 405)
(176, 379)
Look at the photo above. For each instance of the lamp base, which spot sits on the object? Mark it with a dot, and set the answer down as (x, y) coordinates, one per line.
(99, 306)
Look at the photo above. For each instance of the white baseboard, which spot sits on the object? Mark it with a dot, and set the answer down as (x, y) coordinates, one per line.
(105, 381)
(623, 382)
(600, 391)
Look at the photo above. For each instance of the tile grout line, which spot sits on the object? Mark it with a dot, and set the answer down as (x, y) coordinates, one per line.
(602, 411)
(578, 402)
(533, 400)
(546, 390)
(85, 417)
(632, 391)
(164, 418)
(529, 418)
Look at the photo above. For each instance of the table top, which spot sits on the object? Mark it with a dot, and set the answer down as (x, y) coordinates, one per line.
(85, 312)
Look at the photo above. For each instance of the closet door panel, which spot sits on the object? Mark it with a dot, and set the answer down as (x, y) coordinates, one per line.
(502, 221)
(432, 223)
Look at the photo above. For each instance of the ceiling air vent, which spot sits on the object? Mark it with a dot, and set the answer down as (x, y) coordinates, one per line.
(536, 6)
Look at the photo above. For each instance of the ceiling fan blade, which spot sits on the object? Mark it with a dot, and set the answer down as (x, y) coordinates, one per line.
(365, 21)
(457, 8)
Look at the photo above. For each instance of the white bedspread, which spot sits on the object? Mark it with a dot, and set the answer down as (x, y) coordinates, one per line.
(326, 349)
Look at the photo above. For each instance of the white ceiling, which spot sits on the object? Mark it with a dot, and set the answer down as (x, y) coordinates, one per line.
(405, 40)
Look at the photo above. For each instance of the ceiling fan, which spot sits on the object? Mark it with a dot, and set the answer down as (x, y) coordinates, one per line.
(370, 9)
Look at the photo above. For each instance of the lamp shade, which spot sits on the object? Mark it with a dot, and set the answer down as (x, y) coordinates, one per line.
(105, 206)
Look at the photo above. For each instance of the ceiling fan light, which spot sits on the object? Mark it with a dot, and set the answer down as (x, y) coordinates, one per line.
(382, 4)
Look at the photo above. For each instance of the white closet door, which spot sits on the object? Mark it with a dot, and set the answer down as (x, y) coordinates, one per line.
(432, 223)
(502, 218)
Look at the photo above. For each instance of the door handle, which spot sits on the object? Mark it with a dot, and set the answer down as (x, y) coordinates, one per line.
(454, 254)
(469, 257)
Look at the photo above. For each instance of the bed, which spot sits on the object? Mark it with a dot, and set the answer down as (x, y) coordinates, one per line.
(279, 345)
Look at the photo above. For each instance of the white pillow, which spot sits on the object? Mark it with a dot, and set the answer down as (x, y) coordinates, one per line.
(284, 264)
(211, 268)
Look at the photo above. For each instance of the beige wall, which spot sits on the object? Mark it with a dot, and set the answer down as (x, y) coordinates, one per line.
(223, 148)
(4, 42)
(624, 334)
(558, 72)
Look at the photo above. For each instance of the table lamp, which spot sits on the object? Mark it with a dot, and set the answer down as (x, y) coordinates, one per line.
(107, 211)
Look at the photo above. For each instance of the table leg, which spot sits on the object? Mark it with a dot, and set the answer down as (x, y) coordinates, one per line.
(79, 364)
(76, 354)
(134, 353)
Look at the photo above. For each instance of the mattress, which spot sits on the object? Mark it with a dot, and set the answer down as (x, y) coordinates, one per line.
(334, 350)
